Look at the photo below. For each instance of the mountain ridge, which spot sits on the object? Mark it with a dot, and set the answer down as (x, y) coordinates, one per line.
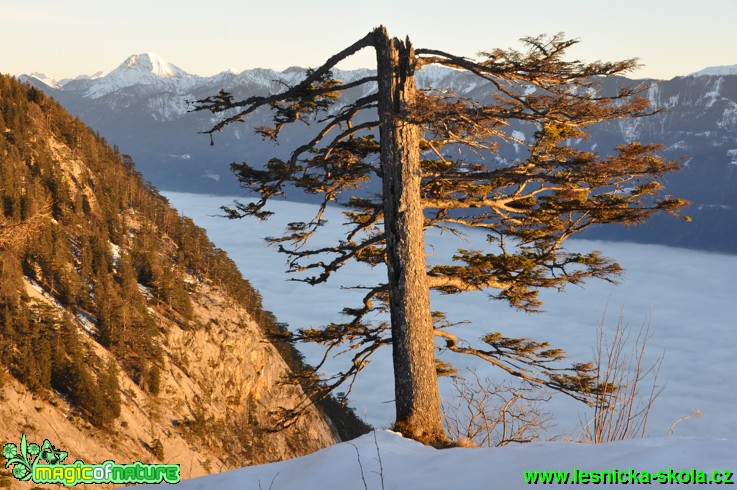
(715, 71)
(698, 125)
(151, 68)
(157, 65)
(161, 67)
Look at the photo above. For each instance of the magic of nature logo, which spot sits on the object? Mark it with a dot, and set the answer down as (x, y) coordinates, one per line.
(45, 464)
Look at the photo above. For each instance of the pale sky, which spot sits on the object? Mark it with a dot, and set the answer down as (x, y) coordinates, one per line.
(72, 37)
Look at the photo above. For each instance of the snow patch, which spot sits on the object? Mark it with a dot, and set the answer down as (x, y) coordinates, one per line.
(211, 176)
(431, 75)
(115, 251)
(625, 191)
(715, 94)
(87, 321)
(629, 129)
(732, 154)
(653, 92)
(165, 107)
(678, 145)
(713, 206)
(146, 292)
(729, 117)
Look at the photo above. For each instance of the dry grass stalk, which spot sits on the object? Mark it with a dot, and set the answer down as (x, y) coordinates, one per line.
(621, 410)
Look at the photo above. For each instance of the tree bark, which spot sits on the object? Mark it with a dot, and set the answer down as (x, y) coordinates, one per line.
(417, 397)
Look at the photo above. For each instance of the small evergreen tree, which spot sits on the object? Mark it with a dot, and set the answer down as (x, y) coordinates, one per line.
(110, 389)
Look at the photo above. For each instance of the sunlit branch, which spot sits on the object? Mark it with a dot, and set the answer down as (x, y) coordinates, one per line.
(579, 383)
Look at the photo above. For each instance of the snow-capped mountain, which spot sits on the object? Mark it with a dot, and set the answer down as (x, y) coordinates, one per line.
(716, 70)
(143, 107)
(44, 78)
(146, 69)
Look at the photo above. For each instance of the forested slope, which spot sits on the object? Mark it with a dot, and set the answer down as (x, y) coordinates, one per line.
(121, 325)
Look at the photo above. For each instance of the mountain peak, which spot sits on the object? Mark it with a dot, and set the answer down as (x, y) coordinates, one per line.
(42, 77)
(141, 69)
(152, 63)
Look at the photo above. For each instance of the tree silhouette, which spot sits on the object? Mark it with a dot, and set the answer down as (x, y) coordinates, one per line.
(433, 151)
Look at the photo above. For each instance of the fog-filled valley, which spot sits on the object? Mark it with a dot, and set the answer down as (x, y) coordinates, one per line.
(687, 297)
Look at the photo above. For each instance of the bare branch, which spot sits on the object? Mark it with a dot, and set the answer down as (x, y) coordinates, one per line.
(489, 414)
(346, 252)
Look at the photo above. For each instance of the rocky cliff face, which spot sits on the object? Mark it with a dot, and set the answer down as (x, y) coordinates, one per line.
(219, 386)
(124, 334)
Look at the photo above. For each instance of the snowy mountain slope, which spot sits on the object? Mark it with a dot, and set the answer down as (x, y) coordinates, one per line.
(386, 460)
(142, 106)
(716, 70)
(160, 76)
(147, 69)
(45, 79)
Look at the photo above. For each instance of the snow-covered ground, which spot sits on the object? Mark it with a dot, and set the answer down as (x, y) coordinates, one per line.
(688, 296)
(387, 461)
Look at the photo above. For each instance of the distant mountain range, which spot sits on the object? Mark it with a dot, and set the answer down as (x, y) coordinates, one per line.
(142, 107)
